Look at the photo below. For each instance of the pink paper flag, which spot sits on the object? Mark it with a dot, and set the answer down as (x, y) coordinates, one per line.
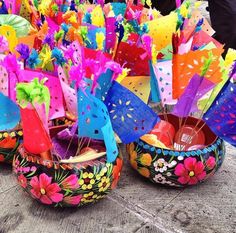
(3, 80)
(68, 92)
(110, 33)
(163, 72)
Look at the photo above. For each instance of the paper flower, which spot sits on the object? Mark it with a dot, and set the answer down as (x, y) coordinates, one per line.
(49, 40)
(10, 62)
(23, 50)
(58, 55)
(33, 92)
(33, 59)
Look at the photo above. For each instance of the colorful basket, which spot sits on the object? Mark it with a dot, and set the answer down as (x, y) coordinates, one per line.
(66, 185)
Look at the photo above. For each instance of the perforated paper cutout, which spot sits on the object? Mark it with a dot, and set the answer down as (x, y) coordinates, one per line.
(189, 64)
(196, 16)
(221, 117)
(69, 93)
(110, 33)
(131, 118)
(161, 30)
(130, 57)
(163, 72)
(139, 85)
(4, 81)
(94, 122)
(9, 113)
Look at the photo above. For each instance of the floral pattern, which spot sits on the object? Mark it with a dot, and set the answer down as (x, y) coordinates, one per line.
(61, 185)
(9, 143)
(173, 168)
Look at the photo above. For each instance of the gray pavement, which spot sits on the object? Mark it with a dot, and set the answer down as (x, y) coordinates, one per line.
(135, 206)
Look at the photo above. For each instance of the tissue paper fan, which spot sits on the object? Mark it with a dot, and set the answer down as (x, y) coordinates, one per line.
(20, 25)
(196, 16)
(9, 113)
(132, 57)
(163, 72)
(221, 117)
(131, 118)
(94, 122)
(139, 85)
(186, 65)
(68, 92)
(161, 30)
(56, 104)
(4, 81)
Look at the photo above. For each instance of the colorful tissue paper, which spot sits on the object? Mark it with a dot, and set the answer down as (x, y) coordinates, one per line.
(130, 116)
(134, 58)
(221, 116)
(189, 64)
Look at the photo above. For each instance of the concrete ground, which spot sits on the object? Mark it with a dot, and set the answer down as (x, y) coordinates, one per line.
(135, 206)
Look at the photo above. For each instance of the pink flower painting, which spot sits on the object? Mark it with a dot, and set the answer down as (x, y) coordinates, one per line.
(191, 172)
(44, 190)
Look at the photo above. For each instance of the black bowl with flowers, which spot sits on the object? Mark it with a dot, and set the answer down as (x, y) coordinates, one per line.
(178, 168)
(65, 184)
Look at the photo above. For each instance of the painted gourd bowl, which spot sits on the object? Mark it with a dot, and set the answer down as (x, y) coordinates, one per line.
(66, 184)
(10, 140)
(178, 168)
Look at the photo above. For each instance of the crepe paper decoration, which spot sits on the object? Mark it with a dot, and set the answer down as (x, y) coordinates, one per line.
(130, 116)
(201, 38)
(161, 30)
(221, 117)
(56, 109)
(155, 89)
(10, 113)
(68, 92)
(36, 139)
(46, 57)
(4, 87)
(190, 95)
(20, 25)
(58, 55)
(189, 64)
(97, 17)
(33, 93)
(139, 85)
(94, 122)
(104, 83)
(196, 15)
(10, 34)
(129, 56)
(23, 50)
(110, 33)
(163, 73)
(118, 8)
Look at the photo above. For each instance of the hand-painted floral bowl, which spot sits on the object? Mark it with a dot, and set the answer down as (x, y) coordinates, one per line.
(66, 184)
(178, 168)
(10, 140)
